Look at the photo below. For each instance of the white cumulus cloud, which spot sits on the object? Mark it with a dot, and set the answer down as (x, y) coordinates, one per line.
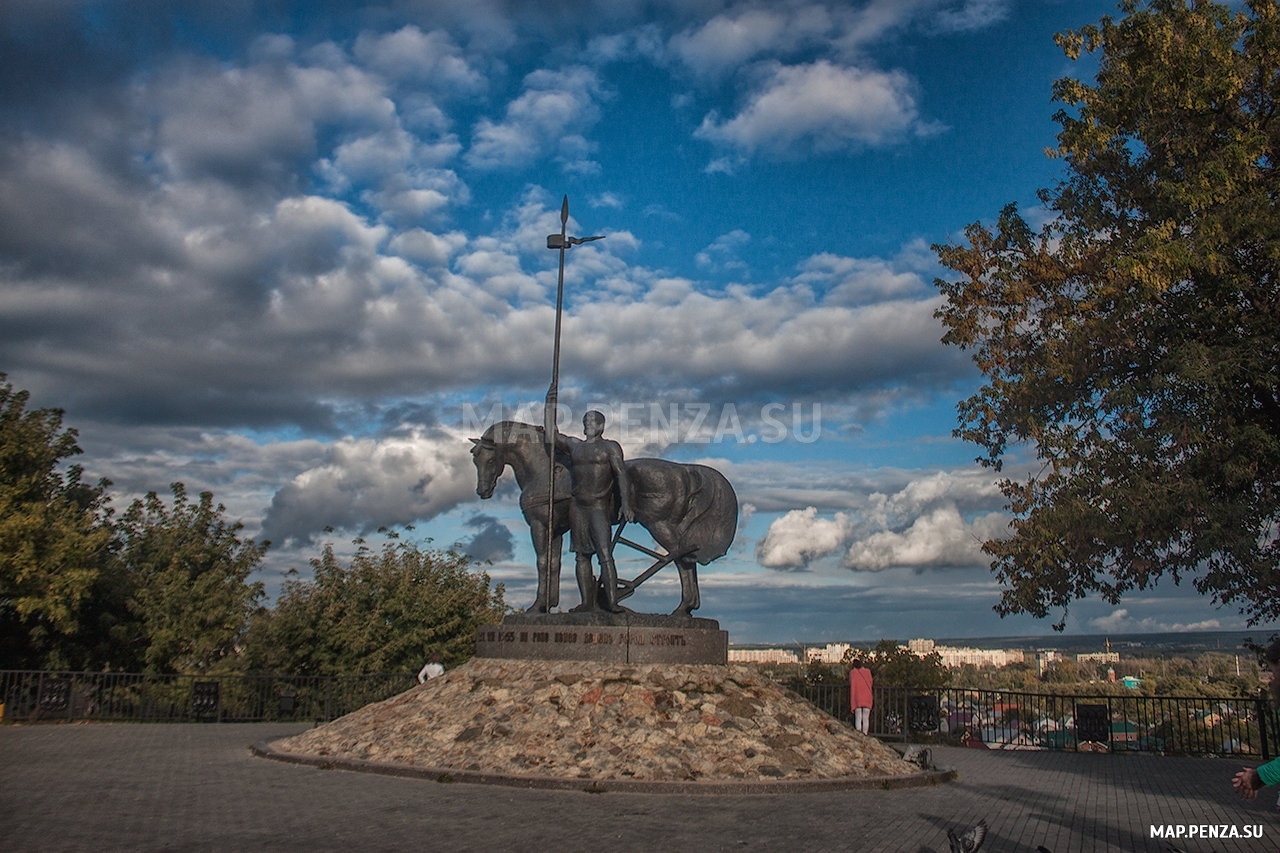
(800, 536)
(411, 55)
(1119, 621)
(939, 520)
(728, 40)
(940, 537)
(821, 107)
(552, 113)
(364, 483)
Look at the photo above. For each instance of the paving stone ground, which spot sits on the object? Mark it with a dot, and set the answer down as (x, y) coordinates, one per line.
(196, 787)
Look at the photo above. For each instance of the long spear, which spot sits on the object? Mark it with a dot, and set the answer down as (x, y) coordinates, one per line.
(562, 242)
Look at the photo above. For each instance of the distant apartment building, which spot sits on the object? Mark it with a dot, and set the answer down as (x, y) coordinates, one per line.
(1098, 657)
(954, 656)
(1046, 659)
(920, 647)
(832, 653)
(762, 656)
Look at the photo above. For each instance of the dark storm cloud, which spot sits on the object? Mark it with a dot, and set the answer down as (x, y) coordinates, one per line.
(54, 46)
(492, 541)
(363, 484)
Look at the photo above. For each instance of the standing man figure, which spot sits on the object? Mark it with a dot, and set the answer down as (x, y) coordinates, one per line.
(860, 695)
(597, 466)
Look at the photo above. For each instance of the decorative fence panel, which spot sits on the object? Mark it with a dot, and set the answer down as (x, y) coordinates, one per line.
(1005, 719)
(29, 696)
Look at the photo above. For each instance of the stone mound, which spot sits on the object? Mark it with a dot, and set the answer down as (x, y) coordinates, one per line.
(590, 721)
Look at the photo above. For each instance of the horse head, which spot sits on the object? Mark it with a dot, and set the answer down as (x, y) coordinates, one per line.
(511, 443)
(487, 455)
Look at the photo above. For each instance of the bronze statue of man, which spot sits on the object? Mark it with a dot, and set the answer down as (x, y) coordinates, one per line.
(600, 490)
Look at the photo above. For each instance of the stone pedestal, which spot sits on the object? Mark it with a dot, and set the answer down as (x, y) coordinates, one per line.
(606, 638)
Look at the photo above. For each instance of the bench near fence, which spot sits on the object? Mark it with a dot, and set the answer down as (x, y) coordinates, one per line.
(1005, 719)
(31, 695)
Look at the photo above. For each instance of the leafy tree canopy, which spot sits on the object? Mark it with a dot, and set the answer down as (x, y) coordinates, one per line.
(895, 666)
(1134, 340)
(166, 586)
(188, 573)
(386, 611)
(54, 540)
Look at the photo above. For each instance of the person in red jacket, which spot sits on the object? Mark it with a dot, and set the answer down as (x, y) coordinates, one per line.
(860, 695)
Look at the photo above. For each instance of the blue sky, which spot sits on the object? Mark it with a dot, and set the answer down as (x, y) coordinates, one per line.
(294, 253)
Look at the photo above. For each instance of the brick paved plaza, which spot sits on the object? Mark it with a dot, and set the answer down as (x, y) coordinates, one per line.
(197, 788)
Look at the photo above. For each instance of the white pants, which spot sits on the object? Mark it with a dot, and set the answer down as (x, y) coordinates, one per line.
(861, 717)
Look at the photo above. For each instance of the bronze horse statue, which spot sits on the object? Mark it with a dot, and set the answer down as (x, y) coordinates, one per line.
(690, 510)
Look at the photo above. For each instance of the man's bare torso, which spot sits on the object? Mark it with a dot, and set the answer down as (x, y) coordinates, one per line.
(593, 470)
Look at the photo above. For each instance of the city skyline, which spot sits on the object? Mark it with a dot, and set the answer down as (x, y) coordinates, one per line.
(295, 254)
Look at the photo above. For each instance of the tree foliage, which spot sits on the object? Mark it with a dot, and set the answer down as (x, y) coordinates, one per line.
(54, 540)
(188, 571)
(1133, 340)
(895, 666)
(167, 586)
(384, 612)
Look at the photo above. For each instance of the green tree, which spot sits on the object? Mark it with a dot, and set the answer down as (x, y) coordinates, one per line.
(1016, 676)
(894, 666)
(384, 612)
(188, 572)
(1134, 339)
(55, 540)
(817, 672)
(1062, 671)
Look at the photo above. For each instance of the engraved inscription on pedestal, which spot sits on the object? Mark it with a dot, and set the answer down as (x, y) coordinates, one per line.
(549, 638)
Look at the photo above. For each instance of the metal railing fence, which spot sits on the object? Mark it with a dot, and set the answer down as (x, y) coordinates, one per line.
(993, 719)
(33, 695)
(1007, 719)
